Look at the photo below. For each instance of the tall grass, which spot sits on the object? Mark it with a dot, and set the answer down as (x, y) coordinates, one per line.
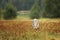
(23, 30)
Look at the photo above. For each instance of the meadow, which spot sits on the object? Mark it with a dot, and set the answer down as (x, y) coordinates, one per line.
(21, 28)
(49, 29)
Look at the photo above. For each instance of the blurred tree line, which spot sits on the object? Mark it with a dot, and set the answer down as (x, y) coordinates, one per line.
(48, 9)
(39, 8)
(20, 4)
(10, 10)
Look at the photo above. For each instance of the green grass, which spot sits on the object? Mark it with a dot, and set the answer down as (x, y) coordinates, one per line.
(21, 16)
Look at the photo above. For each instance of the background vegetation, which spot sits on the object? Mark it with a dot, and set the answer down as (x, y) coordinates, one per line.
(52, 8)
(10, 12)
(40, 9)
(35, 10)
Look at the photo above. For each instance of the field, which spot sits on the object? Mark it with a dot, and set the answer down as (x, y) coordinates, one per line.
(21, 28)
(49, 29)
